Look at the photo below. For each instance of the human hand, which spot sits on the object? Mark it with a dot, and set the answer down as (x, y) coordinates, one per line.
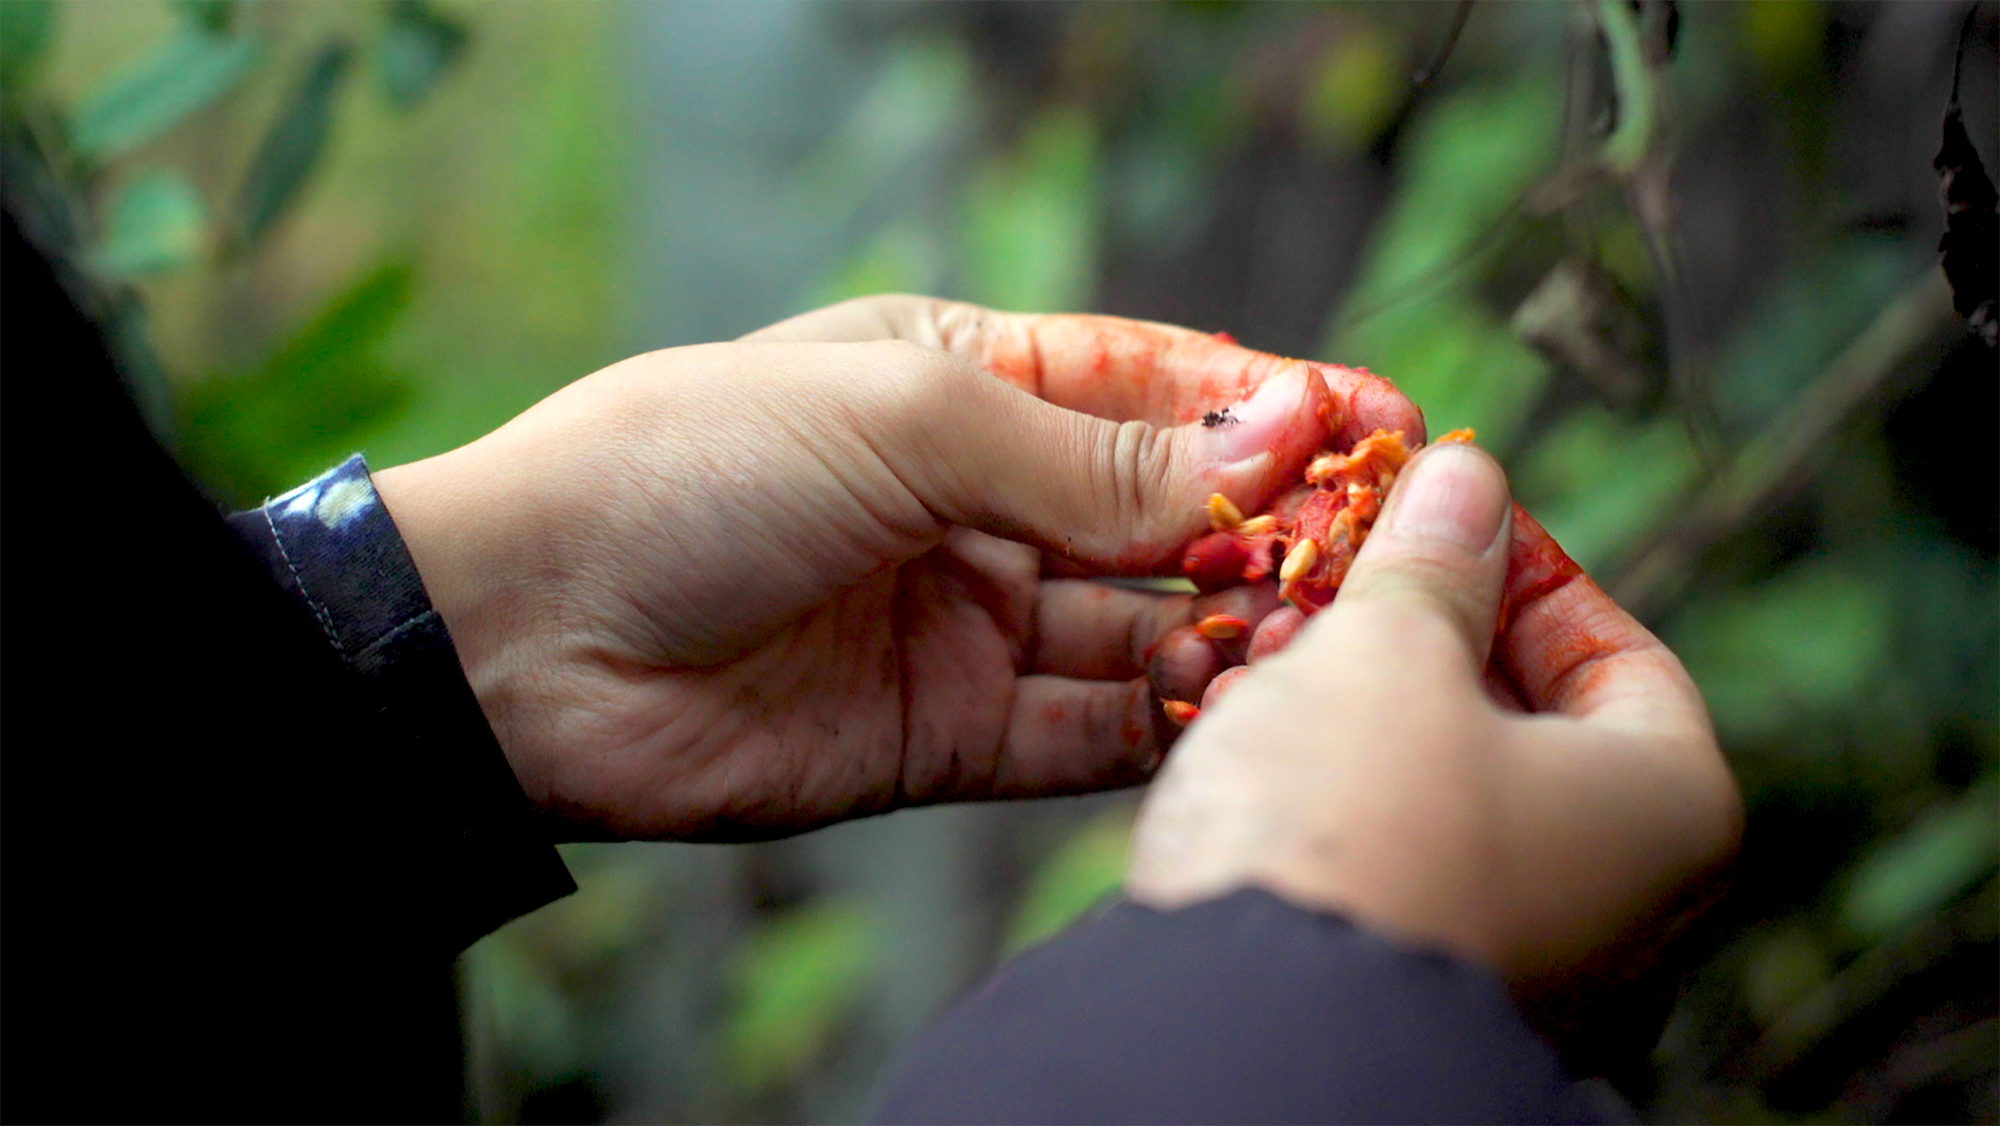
(1555, 814)
(742, 590)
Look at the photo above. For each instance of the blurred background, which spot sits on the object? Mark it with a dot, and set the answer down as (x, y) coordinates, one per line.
(1678, 267)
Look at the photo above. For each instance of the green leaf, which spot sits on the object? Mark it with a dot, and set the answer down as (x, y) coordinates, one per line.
(902, 258)
(210, 15)
(1916, 874)
(24, 29)
(1785, 965)
(417, 47)
(252, 435)
(1470, 158)
(1076, 877)
(1032, 219)
(157, 222)
(294, 145)
(181, 76)
(1354, 89)
(1809, 644)
(795, 978)
(1598, 481)
(1415, 313)
(352, 325)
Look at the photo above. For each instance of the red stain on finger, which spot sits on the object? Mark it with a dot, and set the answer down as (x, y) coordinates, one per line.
(1366, 402)
(1275, 632)
(1183, 663)
(1537, 567)
(1222, 684)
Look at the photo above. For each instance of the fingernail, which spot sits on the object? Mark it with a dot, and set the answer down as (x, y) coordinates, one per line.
(1251, 427)
(1451, 493)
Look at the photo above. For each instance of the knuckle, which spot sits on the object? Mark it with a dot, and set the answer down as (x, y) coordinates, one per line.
(1137, 470)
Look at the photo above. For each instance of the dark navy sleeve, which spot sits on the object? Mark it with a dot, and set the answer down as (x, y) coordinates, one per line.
(1238, 1009)
(250, 809)
(333, 547)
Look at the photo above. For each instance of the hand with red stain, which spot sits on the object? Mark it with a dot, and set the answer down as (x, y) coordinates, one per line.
(1547, 798)
(742, 590)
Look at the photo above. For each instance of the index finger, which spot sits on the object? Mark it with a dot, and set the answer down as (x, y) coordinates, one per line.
(1110, 367)
(1163, 374)
(1570, 649)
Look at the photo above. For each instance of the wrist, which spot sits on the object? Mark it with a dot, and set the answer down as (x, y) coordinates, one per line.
(454, 536)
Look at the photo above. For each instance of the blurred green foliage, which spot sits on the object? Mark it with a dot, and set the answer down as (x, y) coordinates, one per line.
(303, 408)
(1917, 874)
(157, 222)
(292, 148)
(178, 78)
(1077, 876)
(416, 50)
(796, 978)
(1031, 219)
(24, 28)
(301, 264)
(1414, 312)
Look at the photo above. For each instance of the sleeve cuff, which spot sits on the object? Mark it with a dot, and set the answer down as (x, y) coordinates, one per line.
(332, 545)
(1244, 1008)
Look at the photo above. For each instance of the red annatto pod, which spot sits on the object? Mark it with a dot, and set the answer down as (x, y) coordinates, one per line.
(1306, 540)
(1310, 534)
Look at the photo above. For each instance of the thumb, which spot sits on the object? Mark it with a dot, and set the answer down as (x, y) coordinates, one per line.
(1116, 496)
(1426, 586)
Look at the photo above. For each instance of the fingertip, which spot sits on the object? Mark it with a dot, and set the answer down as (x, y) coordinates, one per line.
(1220, 686)
(1274, 633)
(1363, 402)
(1183, 663)
(1261, 443)
(1452, 494)
(1438, 554)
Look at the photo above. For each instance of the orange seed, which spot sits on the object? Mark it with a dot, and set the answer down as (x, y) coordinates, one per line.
(1221, 627)
(1299, 560)
(1223, 515)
